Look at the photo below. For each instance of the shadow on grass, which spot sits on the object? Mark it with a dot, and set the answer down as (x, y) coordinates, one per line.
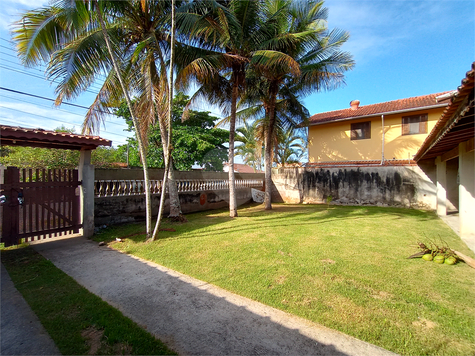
(191, 316)
(281, 215)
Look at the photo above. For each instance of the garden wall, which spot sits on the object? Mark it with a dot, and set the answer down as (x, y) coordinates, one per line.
(119, 195)
(403, 186)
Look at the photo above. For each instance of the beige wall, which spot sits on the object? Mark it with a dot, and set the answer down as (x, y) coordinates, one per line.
(331, 142)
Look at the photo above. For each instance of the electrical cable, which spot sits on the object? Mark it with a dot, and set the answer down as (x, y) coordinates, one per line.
(63, 122)
(62, 110)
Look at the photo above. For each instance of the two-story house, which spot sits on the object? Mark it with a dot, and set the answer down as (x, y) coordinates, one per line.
(389, 131)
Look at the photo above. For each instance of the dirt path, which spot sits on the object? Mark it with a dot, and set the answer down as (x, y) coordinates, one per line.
(192, 316)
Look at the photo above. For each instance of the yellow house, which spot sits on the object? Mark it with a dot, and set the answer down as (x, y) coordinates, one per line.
(357, 134)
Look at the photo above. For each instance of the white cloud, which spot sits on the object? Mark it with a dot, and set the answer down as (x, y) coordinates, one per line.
(382, 27)
(11, 10)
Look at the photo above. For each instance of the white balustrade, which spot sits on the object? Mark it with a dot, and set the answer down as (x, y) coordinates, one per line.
(113, 188)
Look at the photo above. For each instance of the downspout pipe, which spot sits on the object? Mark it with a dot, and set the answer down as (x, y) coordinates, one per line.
(382, 140)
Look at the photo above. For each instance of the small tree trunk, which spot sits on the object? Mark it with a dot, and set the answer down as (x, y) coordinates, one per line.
(175, 206)
(167, 137)
(143, 156)
(232, 133)
(268, 152)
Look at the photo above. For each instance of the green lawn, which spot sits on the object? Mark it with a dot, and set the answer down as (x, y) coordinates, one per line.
(79, 322)
(343, 267)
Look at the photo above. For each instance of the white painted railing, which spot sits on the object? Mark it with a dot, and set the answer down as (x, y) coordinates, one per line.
(115, 188)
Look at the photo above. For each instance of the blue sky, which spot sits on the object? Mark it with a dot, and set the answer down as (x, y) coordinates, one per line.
(401, 48)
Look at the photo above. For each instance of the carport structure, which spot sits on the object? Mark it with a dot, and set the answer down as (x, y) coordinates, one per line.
(451, 144)
(42, 203)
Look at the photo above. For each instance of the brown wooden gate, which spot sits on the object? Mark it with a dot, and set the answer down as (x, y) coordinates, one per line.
(39, 204)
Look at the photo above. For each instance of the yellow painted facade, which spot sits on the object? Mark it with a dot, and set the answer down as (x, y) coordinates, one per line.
(331, 142)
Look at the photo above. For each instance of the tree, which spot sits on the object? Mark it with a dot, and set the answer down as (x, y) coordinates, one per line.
(301, 33)
(291, 147)
(231, 35)
(49, 158)
(194, 140)
(129, 44)
(251, 148)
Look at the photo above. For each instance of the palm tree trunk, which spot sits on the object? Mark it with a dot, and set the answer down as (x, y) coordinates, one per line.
(268, 166)
(232, 133)
(143, 156)
(168, 136)
(269, 140)
(175, 207)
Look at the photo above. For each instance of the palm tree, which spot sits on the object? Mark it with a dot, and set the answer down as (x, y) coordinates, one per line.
(231, 34)
(300, 33)
(290, 148)
(70, 38)
(251, 147)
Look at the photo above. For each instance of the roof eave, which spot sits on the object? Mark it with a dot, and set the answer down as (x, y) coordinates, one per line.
(379, 114)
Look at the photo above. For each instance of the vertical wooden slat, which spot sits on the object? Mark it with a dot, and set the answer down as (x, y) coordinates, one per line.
(61, 201)
(31, 201)
(46, 202)
(75, 203)
(38, 202)
(55, 209)
(71, 201)
(23, 207)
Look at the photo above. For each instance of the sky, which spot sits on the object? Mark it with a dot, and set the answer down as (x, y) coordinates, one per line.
(401, 49)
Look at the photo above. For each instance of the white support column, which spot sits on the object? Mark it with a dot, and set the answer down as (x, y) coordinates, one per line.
(86, 175)
(467, 195)
(441, 187)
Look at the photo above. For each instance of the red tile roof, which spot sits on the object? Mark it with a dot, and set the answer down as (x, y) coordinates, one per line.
(21, 136)
(448, 131)
(369, 163)
(243, 168)
(401, 105)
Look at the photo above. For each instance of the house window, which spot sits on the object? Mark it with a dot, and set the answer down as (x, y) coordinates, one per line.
(413, 125)
(361, 130)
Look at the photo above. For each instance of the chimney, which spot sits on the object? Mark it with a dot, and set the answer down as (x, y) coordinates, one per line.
(354, 104)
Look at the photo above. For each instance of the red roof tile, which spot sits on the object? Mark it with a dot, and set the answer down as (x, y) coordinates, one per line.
(418, 102)
(439, 140)
(369, 163)
(21, 136)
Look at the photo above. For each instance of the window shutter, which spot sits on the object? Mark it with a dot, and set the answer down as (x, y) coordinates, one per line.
(423, 124)
(405, 126)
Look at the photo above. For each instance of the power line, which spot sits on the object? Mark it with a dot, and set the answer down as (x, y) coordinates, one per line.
(12, 49)
(69, 112)
(63, 122)
(93, 86)
(37, 76)
(49, 99)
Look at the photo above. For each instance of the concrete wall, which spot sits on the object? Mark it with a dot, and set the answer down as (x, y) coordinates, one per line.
(332, 141)
(116, 210)
(406, 186)
(452, 181)
(121, 209)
